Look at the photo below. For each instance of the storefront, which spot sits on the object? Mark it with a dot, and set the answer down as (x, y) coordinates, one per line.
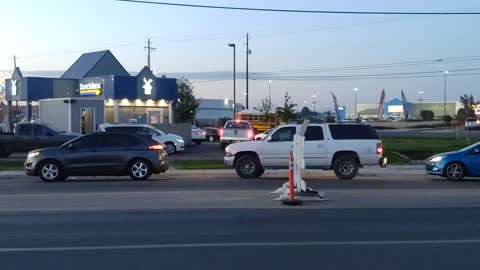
(143, 98)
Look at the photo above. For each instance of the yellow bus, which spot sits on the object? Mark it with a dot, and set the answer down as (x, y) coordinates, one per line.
(258, 120)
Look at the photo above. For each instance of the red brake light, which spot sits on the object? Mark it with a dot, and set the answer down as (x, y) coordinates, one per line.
(237, 121)
(220, 131)
(249, 134)
(379, 149)
(156, 147)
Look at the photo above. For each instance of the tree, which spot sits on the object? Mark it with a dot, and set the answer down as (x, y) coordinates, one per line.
(287, 112)
(426, 115)
(265, 107)
(305, 112)
(468, 102)
(461, 115)
(187, 104)
(329, 118)
(447, 119)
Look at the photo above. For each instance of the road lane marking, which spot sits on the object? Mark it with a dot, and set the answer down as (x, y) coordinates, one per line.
(241, 244)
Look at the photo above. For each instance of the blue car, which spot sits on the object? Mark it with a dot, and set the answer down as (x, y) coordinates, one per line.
(456, 165)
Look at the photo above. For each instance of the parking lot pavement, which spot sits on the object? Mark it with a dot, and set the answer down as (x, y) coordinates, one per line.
(203, 151)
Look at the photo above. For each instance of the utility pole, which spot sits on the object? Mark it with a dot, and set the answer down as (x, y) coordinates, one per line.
(248, 52)
(149, 49)
(14, 61)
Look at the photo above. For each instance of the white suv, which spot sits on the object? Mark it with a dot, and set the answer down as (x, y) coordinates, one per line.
(173, 143)
(341, 147)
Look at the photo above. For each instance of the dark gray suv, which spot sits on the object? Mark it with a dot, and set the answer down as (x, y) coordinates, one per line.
(100, 154)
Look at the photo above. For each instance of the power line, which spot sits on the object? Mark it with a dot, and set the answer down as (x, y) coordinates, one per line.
(300, 10)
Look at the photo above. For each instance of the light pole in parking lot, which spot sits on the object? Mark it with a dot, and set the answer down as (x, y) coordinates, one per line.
(355, 90)
(445, 93)
(269, 85)
(234, 78)
(314, 102)
(420, 99)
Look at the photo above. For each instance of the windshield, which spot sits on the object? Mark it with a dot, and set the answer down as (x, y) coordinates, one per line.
(468, 148)
(158, 131)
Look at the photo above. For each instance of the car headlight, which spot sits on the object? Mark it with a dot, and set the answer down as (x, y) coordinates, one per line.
(33, 154)
(228, 152)
(436, 159)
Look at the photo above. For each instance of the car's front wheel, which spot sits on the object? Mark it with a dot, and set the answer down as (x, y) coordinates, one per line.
(139, 169)
(455, 171)
(211, 138)
(248, 167)
(50, 171)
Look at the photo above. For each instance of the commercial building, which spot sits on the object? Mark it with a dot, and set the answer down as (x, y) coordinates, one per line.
(393, 109)
(143, 98)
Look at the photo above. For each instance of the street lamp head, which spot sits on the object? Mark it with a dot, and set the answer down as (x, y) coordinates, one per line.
(446, 72)
(314, 96)
(231, 45)
(420, 92)
(355, 89)
(270, 81)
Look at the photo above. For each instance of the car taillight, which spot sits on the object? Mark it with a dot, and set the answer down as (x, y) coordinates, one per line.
(250, 134)
(203, 132)
(379, 149)
(156, 147)
(220, 132)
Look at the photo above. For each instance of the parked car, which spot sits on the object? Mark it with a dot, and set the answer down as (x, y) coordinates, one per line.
(263, 135)
(173, 143)
(236, 131)
(341, 147)
(29, 136)
(101, 153)
(472, 123)
(212, 134)
(198, 135)
(456, 165)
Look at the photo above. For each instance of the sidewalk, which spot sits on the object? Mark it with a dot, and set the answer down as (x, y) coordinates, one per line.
(370, 171)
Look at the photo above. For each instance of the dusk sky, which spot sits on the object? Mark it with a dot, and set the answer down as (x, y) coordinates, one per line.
(51, 35)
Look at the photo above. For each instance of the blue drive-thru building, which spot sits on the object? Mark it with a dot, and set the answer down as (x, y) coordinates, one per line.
(143, 98)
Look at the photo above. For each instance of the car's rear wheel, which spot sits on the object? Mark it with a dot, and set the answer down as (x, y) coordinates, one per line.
(50, 171)
(170, 147)
(345, 167)
(139, 169)
(455, 171)
(211, 138)
(248, 167)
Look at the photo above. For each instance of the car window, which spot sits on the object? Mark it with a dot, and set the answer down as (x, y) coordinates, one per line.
(148, 131)
(314, 133)
(353, 132)
(284, 134)
(25, 130)
(237, 125)
(39, 130)
(115, 140)
(124, 129)
(86, 142)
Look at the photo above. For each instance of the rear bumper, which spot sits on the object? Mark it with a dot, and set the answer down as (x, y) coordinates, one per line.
(161, 167)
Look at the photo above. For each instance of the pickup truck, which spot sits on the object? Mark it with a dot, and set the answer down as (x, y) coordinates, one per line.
(30, 136)
(236, 131)
(341, 147)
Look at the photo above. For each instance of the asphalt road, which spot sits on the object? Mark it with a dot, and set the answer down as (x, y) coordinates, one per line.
(189, 222)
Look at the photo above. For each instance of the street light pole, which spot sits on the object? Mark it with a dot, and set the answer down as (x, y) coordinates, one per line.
(314, 102)
(269, 85)
(355, 90)
(234, 80)
(445, 93)
(420, 99)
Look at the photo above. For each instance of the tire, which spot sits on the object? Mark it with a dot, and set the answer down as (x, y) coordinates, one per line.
(170, 148)
(211, 138)
(139, 169)
(345, 167)
(260, 172)
(455, 171)
(50, 171)
(248, 167)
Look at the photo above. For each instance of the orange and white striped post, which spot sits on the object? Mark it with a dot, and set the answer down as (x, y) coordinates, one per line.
(291, 198)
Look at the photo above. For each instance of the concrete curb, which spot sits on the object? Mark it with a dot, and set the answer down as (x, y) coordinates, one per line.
(370, 171)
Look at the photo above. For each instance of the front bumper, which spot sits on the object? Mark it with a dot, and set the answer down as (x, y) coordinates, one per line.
(433, 168)
(29, 166)
(180, 146)
(228, 161)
